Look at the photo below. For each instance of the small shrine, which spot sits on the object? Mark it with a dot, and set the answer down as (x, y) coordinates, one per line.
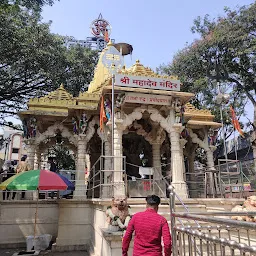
(153, 124)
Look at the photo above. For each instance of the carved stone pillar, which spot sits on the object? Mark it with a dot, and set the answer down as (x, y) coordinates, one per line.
(108, 176)
(157, 160)
(31, 149)
(177, 161)
(209, 152)
(80, 188)
(119, 186)
(38, 159)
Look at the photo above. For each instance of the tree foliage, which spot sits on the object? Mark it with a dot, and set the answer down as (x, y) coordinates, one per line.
(225, 52)
(35, 5)
(63, 156)
(34, 61)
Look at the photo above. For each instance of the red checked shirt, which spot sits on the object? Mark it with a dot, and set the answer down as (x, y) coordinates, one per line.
(149, 227)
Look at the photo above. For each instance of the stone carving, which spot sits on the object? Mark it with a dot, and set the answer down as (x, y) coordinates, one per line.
(249, 205)
(156, 135)
(119, 100)
(83, 123)
(154, 116)
(179, 111)
(51, 132)
(107, 105)
(29, 127)
(184, 134)
(205, 146)
(212, 136)
(75, 128)
(118, 214)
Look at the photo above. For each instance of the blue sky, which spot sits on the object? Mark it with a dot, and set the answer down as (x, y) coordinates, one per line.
(156, 29)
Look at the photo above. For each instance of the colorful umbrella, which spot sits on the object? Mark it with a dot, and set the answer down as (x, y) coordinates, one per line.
(37, 180)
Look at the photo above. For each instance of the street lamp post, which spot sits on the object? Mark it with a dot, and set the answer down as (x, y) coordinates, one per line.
(113, 115)
(222, 97)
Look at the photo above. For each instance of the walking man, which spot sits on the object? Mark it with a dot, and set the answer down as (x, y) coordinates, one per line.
(150, 228)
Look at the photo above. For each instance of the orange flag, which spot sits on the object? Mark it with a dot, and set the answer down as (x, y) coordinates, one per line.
(103, 117)
(235, 122)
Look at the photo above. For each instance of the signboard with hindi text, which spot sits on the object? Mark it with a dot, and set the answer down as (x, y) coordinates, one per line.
(147, 82)
(147, 99)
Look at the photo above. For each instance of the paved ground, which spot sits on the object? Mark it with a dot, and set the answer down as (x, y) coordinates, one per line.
(10, 252)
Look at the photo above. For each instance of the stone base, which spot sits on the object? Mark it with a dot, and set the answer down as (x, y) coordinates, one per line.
(68, 248)
(180, 189)
(80, 191)
(74, 225)
(112, 243)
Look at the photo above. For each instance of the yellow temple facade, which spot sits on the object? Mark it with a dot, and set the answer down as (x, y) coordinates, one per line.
(151, 114)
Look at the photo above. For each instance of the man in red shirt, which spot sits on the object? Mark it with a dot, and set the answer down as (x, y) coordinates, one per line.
(149, 228)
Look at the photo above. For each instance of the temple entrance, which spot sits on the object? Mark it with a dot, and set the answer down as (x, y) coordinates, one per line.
(94, 150)
(147, 151)
(138, 153)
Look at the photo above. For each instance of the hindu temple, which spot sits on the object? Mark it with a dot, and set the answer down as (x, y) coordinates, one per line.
(131, 124)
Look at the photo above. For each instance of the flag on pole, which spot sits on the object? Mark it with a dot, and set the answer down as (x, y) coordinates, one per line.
(103, 117)
(235, 122)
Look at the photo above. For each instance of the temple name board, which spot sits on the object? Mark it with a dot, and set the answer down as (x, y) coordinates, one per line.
(147, 99)
(147, 82)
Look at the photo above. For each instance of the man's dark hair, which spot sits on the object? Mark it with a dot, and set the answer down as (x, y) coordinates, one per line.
(23, 159)
(153, 200)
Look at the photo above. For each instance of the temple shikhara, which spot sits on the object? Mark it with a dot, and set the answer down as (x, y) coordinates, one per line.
(128, 150)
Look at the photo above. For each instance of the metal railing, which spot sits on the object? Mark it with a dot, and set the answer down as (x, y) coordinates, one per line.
(211, 235)
(104, 180)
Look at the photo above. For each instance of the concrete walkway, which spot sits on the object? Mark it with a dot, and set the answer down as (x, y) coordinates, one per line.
(10, 252)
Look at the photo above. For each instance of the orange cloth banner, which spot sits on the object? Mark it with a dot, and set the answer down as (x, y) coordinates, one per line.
(103, 117)
(235, 122)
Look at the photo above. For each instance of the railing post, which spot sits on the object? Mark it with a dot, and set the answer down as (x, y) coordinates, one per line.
(172, 210)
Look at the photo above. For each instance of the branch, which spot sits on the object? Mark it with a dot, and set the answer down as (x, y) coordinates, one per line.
(240, 86)
(11, 125)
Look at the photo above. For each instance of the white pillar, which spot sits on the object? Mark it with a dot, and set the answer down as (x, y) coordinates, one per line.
(157, 160)
(38, 159)
(31, 149)
(177, 162)
(108, 176)
(119, 187)
(80, 188)
(209, 152)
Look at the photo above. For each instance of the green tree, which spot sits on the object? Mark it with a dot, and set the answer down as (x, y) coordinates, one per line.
(29, 4)
(64, 157)
(225, 53)
(34, 61)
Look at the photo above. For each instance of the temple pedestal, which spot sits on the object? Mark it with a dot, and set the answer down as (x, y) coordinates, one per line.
(112, 243)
